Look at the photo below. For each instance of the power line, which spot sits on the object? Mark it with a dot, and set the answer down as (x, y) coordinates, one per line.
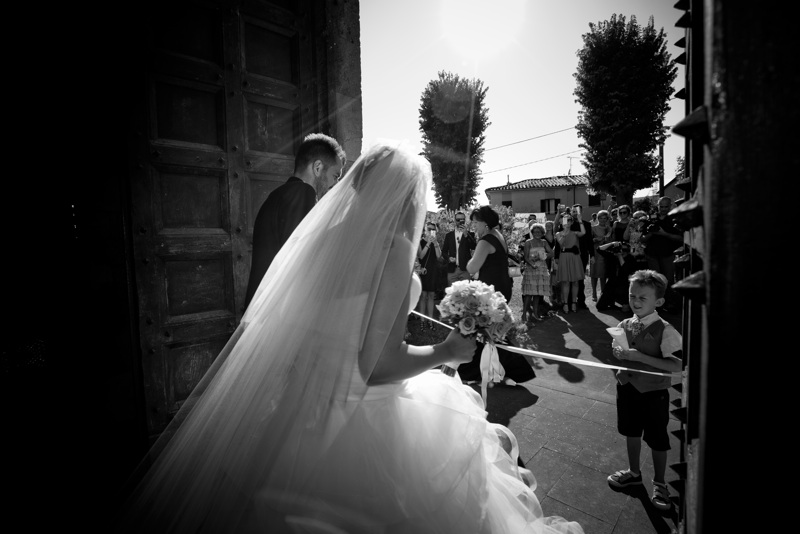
(532, 162)
(531, 139)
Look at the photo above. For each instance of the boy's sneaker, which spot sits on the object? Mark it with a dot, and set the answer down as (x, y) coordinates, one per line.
(623, 479)
(660, 496)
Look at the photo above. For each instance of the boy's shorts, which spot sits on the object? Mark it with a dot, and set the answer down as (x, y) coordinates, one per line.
(643, 415)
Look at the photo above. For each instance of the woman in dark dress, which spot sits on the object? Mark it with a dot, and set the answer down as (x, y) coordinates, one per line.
(428, 255)
(490, 261)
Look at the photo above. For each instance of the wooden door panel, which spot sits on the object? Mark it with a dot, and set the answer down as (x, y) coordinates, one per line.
(196, 287)
(269, 51)
(190, 199)
(228, 93)
(271, 128)
(185, 365)
(188, 112)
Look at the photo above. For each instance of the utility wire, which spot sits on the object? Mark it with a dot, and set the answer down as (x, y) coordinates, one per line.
(532, 162)
(525, 140)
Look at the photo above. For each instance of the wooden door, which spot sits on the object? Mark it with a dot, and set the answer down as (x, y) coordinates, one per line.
(226, 94)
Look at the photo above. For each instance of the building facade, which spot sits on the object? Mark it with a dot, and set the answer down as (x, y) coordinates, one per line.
(543, 195)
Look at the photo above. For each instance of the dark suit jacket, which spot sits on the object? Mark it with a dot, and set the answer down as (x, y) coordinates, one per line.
(449, 249)
(277, 218)
(585, 242)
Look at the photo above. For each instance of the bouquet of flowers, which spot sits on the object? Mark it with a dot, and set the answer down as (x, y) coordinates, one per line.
(539, 254)
(477, 309)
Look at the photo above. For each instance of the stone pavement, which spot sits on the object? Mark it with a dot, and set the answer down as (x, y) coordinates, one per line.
(565, 423)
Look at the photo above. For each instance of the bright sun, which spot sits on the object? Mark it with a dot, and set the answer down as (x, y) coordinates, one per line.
(480, 28)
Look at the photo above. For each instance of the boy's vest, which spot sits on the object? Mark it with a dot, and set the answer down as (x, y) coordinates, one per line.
(647, 342)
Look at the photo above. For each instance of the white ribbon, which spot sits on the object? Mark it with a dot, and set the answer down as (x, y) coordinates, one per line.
(491, 368)
(573, 361)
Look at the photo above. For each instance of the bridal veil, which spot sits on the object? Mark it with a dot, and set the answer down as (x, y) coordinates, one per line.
(284, 435)
(269, 393)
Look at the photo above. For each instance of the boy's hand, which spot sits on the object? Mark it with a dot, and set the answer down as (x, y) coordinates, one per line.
(631, 355)
(619, 352)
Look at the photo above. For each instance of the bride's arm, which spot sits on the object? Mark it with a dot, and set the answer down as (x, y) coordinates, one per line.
(399, 360)
(385, 357)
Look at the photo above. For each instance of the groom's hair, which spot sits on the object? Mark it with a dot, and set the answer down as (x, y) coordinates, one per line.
(318, 146)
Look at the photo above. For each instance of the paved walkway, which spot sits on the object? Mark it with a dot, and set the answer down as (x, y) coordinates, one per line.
(565, 422)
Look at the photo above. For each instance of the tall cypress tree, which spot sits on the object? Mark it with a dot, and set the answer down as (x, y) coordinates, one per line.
(453, 119)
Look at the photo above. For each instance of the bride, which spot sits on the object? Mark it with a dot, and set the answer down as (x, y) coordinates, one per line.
(318, 417)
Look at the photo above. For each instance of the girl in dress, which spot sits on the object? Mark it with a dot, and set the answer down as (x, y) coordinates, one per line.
(570, 267)
(536, 279)
(317, 413)
(600, 235)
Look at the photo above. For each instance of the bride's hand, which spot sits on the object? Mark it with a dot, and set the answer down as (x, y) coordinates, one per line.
(460, 348)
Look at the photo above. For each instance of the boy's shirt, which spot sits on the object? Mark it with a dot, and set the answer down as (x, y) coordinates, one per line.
(671, 341)
(640, 336)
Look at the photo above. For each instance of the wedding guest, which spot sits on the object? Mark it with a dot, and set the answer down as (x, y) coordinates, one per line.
(594, 220)
(570, 269)
(536, 277)
(621, 223)
(490, 264)
(318, 412)
(618, 226)
(317, 166)
(616, 254)
(587, 251)
(531, 221)
(643, 399)
(457, 249)
(552, 264)
(600, 235)
(660, 242)
(633, 235)
(428, 254)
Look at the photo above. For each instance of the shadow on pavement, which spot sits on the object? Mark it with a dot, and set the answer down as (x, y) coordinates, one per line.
(504, 402)
(663, 522)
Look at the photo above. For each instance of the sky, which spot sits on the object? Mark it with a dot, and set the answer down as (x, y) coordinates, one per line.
(524, 51)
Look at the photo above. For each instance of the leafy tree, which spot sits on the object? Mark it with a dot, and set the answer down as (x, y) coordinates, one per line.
(624, 83)
(452, 119)
(680, 167)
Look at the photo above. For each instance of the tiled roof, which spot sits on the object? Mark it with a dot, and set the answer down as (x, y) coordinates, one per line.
(541, 183)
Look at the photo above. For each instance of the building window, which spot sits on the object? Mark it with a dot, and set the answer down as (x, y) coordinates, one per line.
(594, 200)
(507, 203)
(549, 205)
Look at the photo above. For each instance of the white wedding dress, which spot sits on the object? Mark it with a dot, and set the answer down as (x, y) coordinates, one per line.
(285, 435)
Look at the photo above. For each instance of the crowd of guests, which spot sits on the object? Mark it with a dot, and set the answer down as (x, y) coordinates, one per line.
(628, 257)
(557, 256)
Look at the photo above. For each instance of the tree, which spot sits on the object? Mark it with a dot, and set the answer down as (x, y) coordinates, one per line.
(624, 83)
(452, 119)
(680, 168)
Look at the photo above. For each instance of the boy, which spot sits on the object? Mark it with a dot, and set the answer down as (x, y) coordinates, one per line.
(643, 399)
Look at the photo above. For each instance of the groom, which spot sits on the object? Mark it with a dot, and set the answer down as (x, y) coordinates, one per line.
(317, 167)
(457, 250)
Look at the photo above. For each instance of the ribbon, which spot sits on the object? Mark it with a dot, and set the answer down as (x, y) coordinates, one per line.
(555, 357)
(491, 368)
